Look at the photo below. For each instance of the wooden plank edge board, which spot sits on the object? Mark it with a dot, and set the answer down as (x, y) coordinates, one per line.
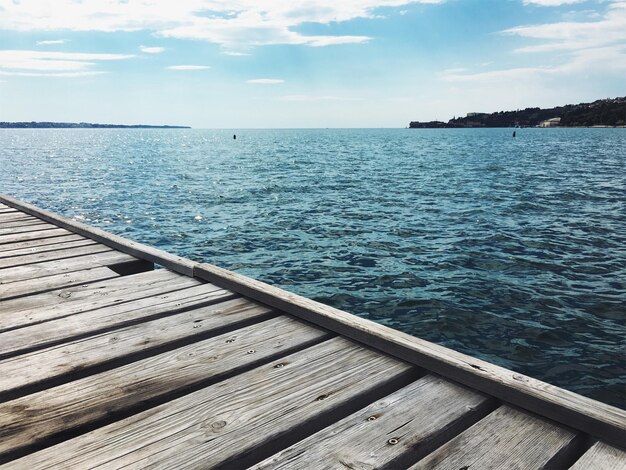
(393, 432)
(603, 421)
(33, 371)
(600, 420)
(601, 456)
(238, 419)
(175, 263)
(18, 289)
(149, 382)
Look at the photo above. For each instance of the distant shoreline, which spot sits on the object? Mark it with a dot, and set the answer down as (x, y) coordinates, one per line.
(80, 125)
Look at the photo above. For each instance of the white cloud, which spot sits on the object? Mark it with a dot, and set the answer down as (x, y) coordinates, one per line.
(51, 42)
(235, 54)
(551, 3)
(586, 46)
(266, 81)
(151, 50)
(571, 35)
(48, 74)
(317, 98)
(60, 64)
(231, 24)
(188, 67)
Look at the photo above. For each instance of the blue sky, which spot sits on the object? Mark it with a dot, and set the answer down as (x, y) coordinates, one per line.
(293, 63)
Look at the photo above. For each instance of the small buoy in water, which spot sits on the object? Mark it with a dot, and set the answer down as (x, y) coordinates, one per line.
(513, 133)
(234, 136)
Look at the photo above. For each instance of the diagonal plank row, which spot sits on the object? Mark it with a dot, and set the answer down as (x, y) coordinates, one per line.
(106, 367)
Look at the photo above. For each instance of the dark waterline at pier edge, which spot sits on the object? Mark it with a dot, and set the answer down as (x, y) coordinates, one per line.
(511, 250)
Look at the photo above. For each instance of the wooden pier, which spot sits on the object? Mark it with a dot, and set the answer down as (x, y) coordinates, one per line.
(107, 362)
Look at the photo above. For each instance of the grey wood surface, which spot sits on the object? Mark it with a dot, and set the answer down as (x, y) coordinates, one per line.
(399, 428)
(116, 315)
(13, 216)
(231, 418)
(40, 242)
(58, 281)
(32, 309)
(603, 421)
(601, 456)
(45, 364)
(173, 262)
(34, 417)
(49, 268)
(41, 234)
(16, 225)
(44, 248)
(61, 253)
(37, 227)
(507, 438)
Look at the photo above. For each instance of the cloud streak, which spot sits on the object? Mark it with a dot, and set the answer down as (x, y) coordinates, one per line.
(188, 67)
(231, 24)
(51, 42)
(265, 81)
(59, 64)
(151, 50)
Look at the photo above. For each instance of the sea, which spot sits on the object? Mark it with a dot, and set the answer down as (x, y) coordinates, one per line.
(510, 249)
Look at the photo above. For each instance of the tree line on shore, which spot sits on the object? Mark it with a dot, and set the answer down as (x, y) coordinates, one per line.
(607, 112)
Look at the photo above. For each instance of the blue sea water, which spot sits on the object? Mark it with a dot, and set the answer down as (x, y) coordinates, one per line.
(509, 249)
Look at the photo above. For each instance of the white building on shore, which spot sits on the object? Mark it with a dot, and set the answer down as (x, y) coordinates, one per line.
(554, 122)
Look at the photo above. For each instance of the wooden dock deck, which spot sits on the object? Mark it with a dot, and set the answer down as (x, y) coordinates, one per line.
(106, 362)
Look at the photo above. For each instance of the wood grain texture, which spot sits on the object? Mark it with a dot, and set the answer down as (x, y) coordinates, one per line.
(34, 286)
(116, 315)
(603, 421)
(71, 251)
(231, 418)
(507, 438)
(45, 247)
(15, 216)
(16, 225)
(601, 456)
(37, 227)
(415, 419)
(37, 308)
(49, 268)
(175, 263)
(49, 363)
(33, 418)
(41, 234)
(37, 243)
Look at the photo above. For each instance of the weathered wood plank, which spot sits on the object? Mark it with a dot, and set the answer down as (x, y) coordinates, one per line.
(603, 421)
(16, 226)
(58, 281)
(601, 456)
(37, 308)
(39, 243)
(41, 234)
(232, 418)
(49, 268)
(507, 438)
(14, 217)
(33, 418)
(71, 251)
(161, 302)
(76, 356)
(391, 433)
(44, 248)
(39, 226)
(175, 263)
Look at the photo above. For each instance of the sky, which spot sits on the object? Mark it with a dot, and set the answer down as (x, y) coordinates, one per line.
(296, 63)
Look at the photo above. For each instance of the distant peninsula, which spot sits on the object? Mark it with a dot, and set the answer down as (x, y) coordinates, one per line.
(609, 112)
(80, 125)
